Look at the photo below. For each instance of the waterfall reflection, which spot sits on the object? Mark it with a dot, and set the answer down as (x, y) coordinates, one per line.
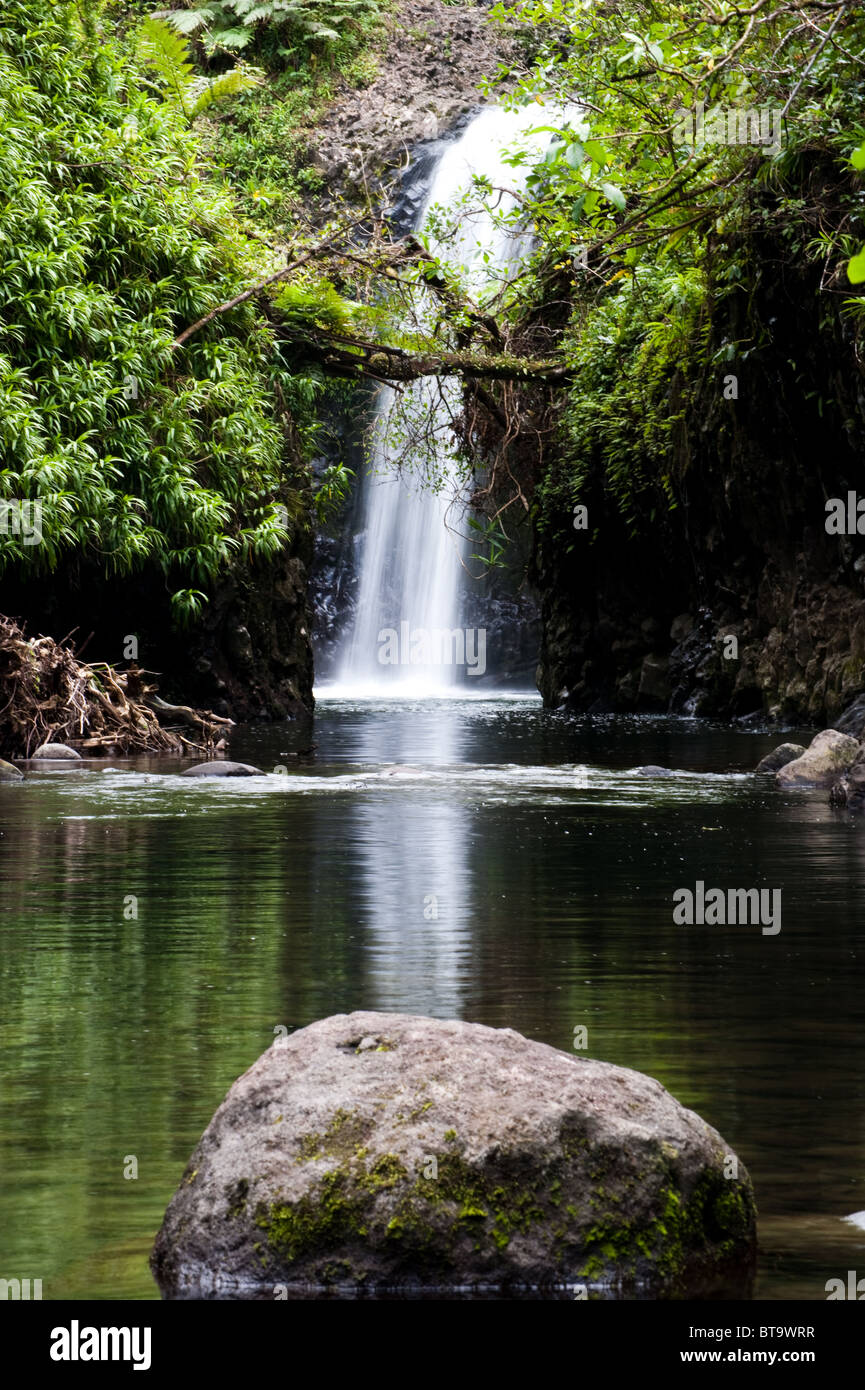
(416, 888)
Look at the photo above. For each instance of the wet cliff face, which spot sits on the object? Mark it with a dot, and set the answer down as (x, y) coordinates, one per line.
(735, 601)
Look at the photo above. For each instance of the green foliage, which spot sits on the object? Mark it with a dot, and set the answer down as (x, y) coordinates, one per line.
(489, 532)
(619, 420)
(161, 47)
(632, 171)
(332, 491)
(141, 455)
(315, 304)
(282, 30)
(856, 265)
(656, 185)
(261, 140)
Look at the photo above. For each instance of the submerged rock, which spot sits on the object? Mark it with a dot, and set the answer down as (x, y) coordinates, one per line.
(779, 757)
(827, 755)
(849, 790)
(57, 752)
(391, 1151)
(223, 769)
(650, 770)
(8, 773)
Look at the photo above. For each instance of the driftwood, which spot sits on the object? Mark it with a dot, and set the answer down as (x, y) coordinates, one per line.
(47, 695)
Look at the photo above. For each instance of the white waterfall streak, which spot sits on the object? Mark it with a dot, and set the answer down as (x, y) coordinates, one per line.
(404, 640)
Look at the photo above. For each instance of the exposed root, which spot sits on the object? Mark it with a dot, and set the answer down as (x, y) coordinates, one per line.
(48, 696)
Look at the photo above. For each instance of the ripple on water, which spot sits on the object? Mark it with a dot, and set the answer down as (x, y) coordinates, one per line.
(142, 794)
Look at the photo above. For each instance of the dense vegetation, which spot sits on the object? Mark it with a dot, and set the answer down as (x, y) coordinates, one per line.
(307, 48)
(141, 453)
(161, 366)
(714, 147)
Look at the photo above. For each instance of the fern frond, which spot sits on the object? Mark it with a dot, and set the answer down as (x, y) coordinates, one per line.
(188, 21)
(229, 38)
(160, 45)
(252, 16)
(205, 91)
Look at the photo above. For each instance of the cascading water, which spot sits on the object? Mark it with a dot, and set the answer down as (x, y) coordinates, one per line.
(406, 639)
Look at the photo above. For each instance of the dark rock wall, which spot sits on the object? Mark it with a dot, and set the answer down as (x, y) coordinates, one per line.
(248, 657)
(640, 623)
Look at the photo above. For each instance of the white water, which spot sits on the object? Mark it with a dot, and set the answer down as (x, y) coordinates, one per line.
(413, 542)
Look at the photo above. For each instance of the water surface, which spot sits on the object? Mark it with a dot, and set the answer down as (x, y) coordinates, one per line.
(514, 871)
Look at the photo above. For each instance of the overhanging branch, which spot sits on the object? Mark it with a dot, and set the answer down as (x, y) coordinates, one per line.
(395, 365)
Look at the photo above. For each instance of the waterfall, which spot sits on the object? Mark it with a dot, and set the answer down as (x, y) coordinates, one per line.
(406, 638)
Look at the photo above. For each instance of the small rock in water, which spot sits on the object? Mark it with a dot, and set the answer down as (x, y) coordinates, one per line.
(58, 752)
(451, 1155)
(8, 773)
(222, 769)
(849, 790)
(652, 771)
(779, 757)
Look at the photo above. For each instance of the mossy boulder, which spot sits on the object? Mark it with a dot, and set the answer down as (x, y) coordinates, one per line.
(828, 755)
(388, 1151)
(9, 773)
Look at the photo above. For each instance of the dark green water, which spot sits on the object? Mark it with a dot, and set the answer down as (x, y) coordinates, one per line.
(520, 876)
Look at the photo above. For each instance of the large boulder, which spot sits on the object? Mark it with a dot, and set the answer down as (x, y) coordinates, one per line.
(826, 757)
(222, 769)
(779, 757)
(385, 1150)
(9, 773)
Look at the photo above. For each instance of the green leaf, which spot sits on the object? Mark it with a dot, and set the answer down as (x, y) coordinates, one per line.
(188, 21)
(856, 269)
(597, 152)
(614, 195)
(205, 91)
